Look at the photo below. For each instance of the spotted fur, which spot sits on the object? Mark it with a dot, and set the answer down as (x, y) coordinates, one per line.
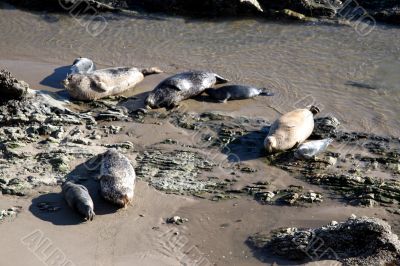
(117, 178)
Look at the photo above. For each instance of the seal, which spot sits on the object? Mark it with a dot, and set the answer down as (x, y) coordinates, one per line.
(290, 130)
(105, 82)
(310, 149)
(78, 198)
(236, 92)
(117, 178)
(82, 65)
(171, 91)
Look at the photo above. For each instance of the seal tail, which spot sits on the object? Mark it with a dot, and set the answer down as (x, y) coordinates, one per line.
(151, 70)
(265, 92)
(125, 201)
(220, 80)
(314, 109)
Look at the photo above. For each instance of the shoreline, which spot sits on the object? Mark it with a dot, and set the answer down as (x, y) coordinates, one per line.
(307, 11)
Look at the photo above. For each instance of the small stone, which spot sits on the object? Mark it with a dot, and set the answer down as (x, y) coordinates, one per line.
(331, 160)
(176, 220)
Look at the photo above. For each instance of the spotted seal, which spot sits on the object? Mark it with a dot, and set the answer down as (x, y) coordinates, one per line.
(117, 178)
(171, 91)
(290, 130)
(82, 65)
(78, 198)
(105, 82)
(236, 92)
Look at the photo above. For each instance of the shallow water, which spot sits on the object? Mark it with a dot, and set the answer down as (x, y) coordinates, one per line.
(354, 77)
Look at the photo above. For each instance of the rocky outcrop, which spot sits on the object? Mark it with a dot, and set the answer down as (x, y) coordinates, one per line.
(305, 10)
(11, 88)
(357, 241)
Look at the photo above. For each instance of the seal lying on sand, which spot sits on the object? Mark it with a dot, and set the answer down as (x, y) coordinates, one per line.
(182, 86)
(78, 198)
(117, 178)
(105, 82)
(309, 149)
(290, 130)
(82, 65)
(236, 92)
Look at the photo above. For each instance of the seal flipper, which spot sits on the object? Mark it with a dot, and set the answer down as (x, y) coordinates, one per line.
(151, 70)
(228, 96)
(220, 80)
(85, 210)
(314, 109)
(98, 86)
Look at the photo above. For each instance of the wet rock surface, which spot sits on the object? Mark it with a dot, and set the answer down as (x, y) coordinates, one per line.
(357, 241)
(175, 171)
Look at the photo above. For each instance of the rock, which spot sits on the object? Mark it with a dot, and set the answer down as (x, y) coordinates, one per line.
(11, 88)
(176, 220)
(293, 195)
(325, 127)
(122, 145)
(10, 212)
(361, 190)
(293, 14)
(48, 207)
(175, 171)
(40, 109)
(247, 169)
(357, 241)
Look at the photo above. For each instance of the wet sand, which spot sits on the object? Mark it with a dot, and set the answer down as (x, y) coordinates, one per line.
(217, 231)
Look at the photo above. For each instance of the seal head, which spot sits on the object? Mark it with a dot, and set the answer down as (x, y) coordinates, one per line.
(270, 144)
(82, 65)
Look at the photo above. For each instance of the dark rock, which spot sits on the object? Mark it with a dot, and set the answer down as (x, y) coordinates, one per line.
(304, 10)
(11, 88)
(358, 189)
(357, 241)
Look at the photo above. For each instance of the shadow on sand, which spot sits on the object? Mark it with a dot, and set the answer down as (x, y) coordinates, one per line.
(135, 102)
(66, 215)
(247, 147)
(265, 256)
(54, 79)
